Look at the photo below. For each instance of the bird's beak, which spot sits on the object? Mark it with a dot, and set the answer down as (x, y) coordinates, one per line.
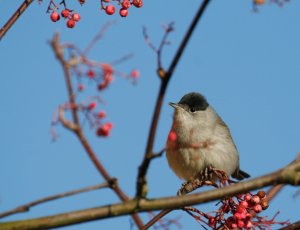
(174, 105)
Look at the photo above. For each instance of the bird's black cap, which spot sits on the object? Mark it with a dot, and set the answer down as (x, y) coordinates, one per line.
(193, 100)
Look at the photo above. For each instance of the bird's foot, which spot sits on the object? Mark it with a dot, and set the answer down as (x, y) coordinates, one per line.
(212, 174)
(192, 185)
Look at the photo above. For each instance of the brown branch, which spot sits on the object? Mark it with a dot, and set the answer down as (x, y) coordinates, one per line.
(75, 127)
(273, 191)
(66, 123)
(141, 188)
(293, 226)
(14, 17)
(26, 207)
(156, 218)
(288, 175)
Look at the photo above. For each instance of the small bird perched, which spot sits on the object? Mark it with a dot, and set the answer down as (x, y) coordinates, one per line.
(200, 139)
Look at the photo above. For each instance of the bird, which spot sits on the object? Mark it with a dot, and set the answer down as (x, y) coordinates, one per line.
(200, 139)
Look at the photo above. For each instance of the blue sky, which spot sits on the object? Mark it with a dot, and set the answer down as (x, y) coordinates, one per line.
(245, 63)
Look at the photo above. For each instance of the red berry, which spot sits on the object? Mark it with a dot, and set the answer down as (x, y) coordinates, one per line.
(76, 17)
(230, 221)
(238, 215)
(257, 208)
(255, 199)
(90, 73)
(104, 130)
(261, 194)
(80, 87)
(107, 69)
(240, 209)
(65, 13)
(92, 105)
(123, 12)
(101, 114)
(108, 78)
(240, 224)
(70, 23)
(211, 222)
(54, 16)
(247, 197)
(135, 73)
(234, 226)
(110, 9)
(249, 225)
(172, 136)
(109, 125)
(126, 4)
(244, 204)
(137, 3)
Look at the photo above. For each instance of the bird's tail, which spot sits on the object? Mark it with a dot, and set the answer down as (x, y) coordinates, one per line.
(240, 174)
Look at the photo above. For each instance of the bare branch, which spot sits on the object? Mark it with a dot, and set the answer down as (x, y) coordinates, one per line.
(273, 191)
(98, 37)
(14, 17)
(26, 207)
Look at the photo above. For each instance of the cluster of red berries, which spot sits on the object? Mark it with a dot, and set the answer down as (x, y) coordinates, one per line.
(103, 129)
(239, 212)
(103, 79)
(125, 4)
(72, 18)
(106, 76)
(246, 209)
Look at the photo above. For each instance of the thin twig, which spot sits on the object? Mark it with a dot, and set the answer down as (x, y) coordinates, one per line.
(168, 29)
(98, 37)
(26, 207)
(156, 218)
(14, 17)
(141, 188)
(273, 191)
(159, 154)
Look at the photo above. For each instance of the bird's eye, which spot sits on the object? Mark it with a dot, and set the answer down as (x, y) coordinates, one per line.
(192, 110)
